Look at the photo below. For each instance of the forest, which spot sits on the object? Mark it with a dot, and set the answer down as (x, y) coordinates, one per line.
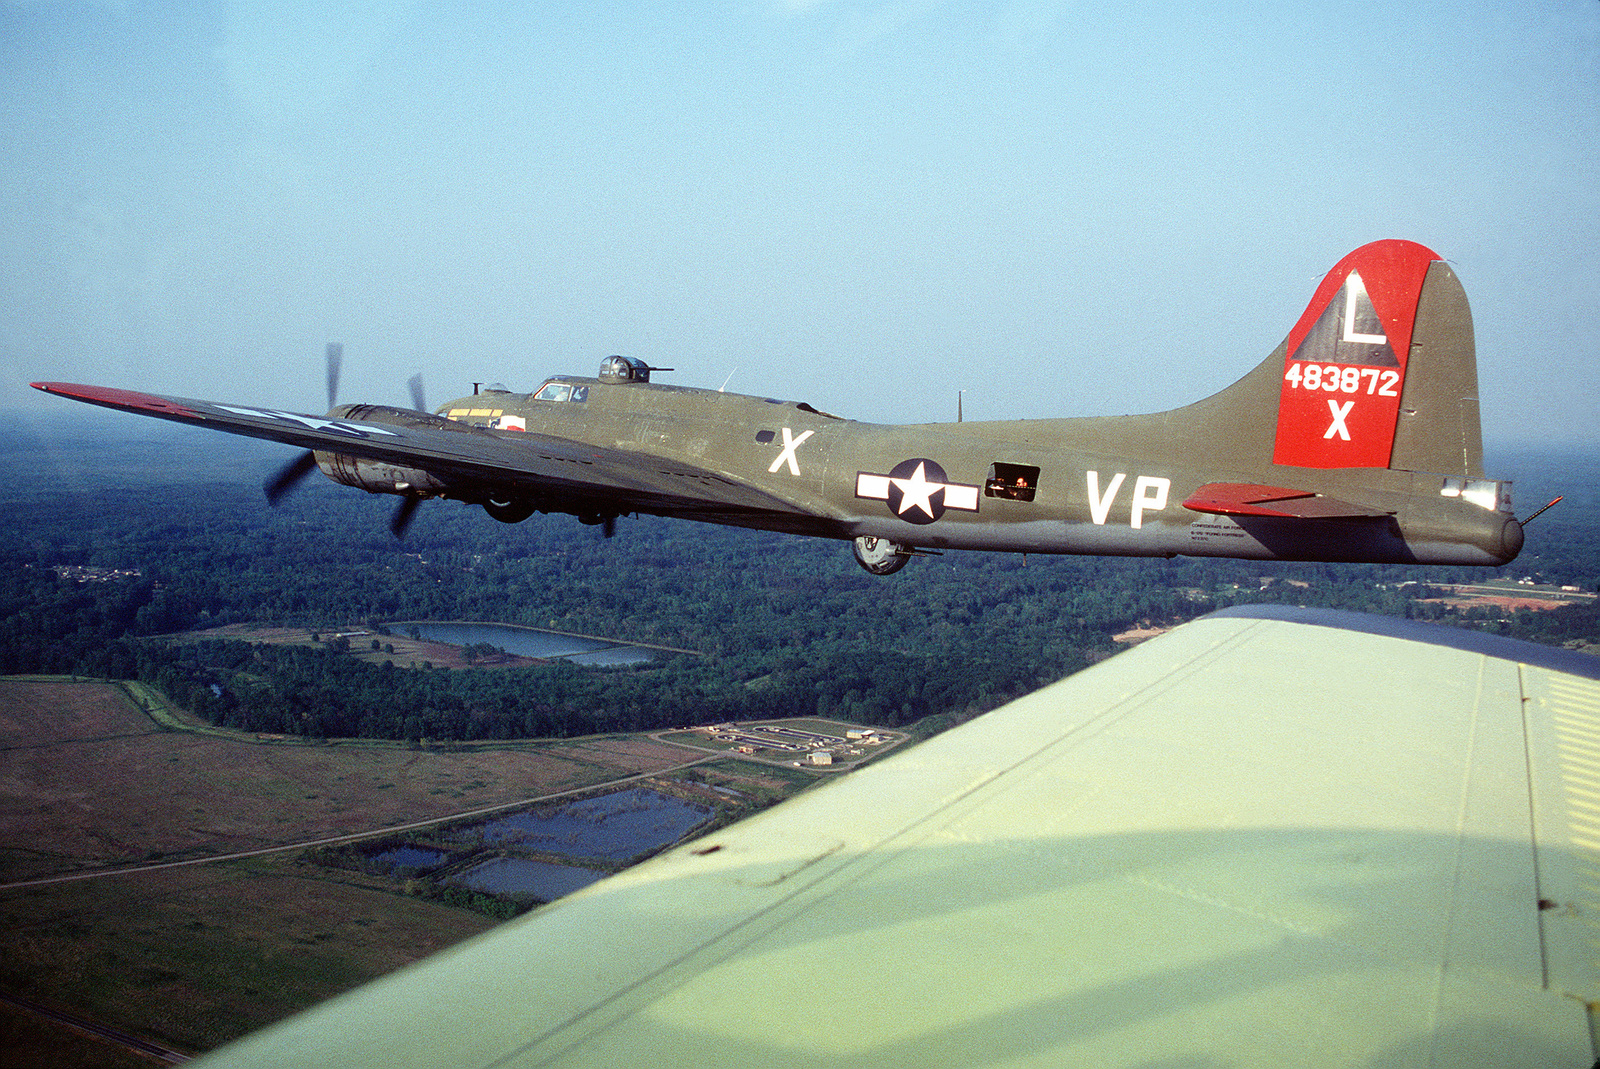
(116, 538)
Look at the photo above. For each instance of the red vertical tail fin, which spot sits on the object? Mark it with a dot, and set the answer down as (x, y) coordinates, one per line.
(1347, 360)
(1379, 372)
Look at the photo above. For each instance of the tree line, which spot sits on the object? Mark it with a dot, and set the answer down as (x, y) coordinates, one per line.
(786, 626)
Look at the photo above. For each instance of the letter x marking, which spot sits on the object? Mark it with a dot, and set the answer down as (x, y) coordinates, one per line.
(790, 444)
(1339, 412)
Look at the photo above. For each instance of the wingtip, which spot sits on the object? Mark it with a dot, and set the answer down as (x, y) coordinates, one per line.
(126, 400)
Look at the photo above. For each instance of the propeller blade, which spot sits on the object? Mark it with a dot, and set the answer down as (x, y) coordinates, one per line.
(289, 476)
(402, 516)
(417, 402)
(608, 527)
(335, 358)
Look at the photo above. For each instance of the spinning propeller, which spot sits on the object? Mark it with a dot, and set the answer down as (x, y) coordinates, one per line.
(290, 475)
(408, 505)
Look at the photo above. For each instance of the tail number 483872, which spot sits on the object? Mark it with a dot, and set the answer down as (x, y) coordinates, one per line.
(1335, 378)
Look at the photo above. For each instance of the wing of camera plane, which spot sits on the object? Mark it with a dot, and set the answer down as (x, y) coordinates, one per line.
(1271, 837)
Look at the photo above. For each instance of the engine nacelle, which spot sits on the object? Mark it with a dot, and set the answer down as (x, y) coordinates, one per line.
(378, 476)
(382, 476)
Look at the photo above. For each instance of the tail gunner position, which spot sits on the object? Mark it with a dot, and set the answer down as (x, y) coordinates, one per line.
(1356, 440)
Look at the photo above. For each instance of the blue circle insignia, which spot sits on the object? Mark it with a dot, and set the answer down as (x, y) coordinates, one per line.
(916, 490)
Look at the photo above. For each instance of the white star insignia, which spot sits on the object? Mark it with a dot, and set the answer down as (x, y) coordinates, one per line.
(916, 504)
(311, 422)
(917, 491)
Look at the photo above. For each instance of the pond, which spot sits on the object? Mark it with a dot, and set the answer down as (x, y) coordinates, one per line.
(526, 641)
(612, 827)
(523, 878)
(410, 857)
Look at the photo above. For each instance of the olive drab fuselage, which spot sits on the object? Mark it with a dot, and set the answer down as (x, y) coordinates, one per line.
(1029, 486)
(1356, 440)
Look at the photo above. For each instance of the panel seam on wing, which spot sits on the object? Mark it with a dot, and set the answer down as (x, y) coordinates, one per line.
(862, 859)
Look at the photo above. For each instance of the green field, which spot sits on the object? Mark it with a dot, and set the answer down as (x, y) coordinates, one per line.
(101, 778)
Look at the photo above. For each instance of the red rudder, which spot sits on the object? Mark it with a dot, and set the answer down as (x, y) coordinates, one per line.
(1345, 367)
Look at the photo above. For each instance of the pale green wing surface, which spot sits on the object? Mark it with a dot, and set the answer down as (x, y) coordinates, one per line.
(1310, 840)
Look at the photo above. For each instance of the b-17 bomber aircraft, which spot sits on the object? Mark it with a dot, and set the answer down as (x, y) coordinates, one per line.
(1358, 439)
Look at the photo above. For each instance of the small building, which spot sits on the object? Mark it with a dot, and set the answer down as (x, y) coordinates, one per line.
(821, 757)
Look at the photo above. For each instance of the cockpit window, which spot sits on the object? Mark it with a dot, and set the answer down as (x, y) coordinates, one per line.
(561, 391)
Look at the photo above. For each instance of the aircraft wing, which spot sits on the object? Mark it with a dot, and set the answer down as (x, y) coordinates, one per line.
(1272, 837)
(509, 462)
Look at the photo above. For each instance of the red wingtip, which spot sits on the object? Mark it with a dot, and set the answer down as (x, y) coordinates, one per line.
(128, 400)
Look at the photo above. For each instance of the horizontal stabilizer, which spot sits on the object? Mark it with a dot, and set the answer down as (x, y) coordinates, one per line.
(1254, 499)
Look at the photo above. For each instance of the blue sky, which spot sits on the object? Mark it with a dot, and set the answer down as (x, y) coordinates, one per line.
(1060, 208)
